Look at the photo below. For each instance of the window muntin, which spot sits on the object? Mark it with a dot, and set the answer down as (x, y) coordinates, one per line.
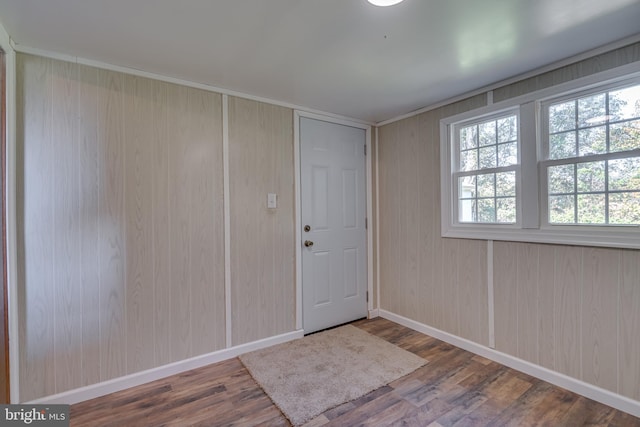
(593, 159)
(486, 172)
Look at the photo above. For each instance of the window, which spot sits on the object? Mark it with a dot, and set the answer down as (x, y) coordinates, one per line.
(487, 165)
(561, 165)
(592, 158)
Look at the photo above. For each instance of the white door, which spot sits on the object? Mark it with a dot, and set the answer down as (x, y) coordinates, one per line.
(333, 212)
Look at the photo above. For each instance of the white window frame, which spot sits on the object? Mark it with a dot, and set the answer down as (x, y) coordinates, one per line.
(532, 199)
(456, 173)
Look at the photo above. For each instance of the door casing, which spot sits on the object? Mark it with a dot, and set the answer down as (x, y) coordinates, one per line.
(297, 114)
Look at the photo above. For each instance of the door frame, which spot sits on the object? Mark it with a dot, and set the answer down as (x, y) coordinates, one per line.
(297, 114)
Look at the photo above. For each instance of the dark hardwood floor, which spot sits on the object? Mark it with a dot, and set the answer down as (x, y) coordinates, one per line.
(456, 388)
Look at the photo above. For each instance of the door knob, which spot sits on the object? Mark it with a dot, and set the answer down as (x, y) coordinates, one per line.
(308, 243)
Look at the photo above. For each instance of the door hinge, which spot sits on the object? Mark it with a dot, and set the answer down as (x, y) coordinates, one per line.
(366, 223)
(365, 149)
(367, 296)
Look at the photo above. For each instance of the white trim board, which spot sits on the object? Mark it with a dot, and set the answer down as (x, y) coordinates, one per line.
(117, 384)
(227, 221)
(298, 216)
(580, 387)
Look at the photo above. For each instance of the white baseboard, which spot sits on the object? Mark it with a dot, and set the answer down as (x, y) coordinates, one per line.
(585, 389)
(117, 384)
(374, 313)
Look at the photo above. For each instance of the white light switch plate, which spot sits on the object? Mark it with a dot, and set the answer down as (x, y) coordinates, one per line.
(272, 201)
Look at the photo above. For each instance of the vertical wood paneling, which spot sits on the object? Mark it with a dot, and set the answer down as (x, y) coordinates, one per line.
(112, 238)
(180, 191)
(36, 210)
(428, 190)
(527, 304)
(178, 128)
(568, 294)
(68, 290)
(388, 162)
(505, 286)
(121, 225)
(599, 317)
(410, 223)
(262, 251)
(450, 283)
(629, 324)
(207, 233)
(472, 284)
(546, 306)
(161, 236)
(138, 155)
(90, 222)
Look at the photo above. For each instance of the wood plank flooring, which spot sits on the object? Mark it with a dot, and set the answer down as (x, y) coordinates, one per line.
(456, 388)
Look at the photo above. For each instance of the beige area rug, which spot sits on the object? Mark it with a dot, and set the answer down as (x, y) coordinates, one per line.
(310, 375)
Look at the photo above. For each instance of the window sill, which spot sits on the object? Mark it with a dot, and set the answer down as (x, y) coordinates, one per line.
(619, 237)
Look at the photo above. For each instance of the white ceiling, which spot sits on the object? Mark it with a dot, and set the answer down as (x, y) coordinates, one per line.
(345, 57)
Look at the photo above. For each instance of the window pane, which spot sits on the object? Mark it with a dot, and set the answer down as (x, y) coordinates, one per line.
(506, 184)
(467, 187)
(486, 186)
(507, 129)
(562, 145)
(624, 174)
(467, 210)
(625, 103)
(469, 160)
(506, 210)
(488, 157)
(560, 179)
(486, 210)
(468, 137)
(487, 133)
(562, 117)
(508, 154)
(590, 177)
(561, 210)
(592, 140)
(624, 208)
(592, 110)
(591, 209)
(624, 136)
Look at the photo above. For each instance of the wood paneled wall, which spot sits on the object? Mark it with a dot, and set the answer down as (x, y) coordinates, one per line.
(439, 282)
(575, 310)
(262, 240)
(121, 233)
(121, 227)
